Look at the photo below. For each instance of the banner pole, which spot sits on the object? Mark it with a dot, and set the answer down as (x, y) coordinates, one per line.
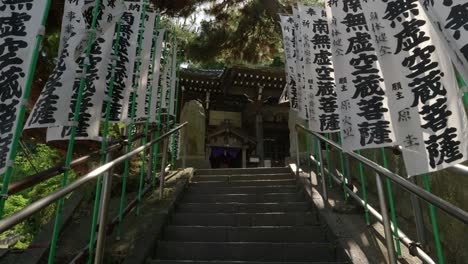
(327, 157)
(306, 124)
(105, 134)
(316, 150)
(71, 142)
(392, 205)
(148, 107)
(364, 192)
(132, 118)
(435, 226)
(19, 125)
(176, 103)
(169, 102)
(342, 169)
(158, 120)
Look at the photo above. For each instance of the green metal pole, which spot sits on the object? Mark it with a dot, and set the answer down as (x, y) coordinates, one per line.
(158, 120)
(306, 124)
(316, 150)
(435, 226)
(175, 114)
(364, 192)
(342, 169)
(105, 134)
(132, 117)
(392, 205)
(327, 149)
(170, 93)
(71, 142)
(148, 107)
(27, 92)
(462, 83)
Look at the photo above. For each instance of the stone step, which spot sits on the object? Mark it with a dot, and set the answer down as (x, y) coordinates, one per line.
(243, 207)
(245, 198)
(242, 177)
(165, 261)
(246, 251)
(194, 189)
(286, 182)
(282, 234)
(246, 219)
(242, 171)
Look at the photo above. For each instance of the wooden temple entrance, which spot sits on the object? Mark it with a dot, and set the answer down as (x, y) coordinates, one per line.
(245, 126)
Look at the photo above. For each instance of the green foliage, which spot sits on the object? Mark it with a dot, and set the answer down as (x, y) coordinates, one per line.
(39, 157)
(242, 32)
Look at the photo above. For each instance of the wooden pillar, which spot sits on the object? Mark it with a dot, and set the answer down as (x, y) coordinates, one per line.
(259, 133)
(244, 157)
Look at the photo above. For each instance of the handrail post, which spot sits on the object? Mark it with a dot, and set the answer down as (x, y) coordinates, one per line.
(163, 169)
(386, 221)
(105, 198)
(418, 218)
(149, 175)
(184, 148)
(298, 160)
(322, 172)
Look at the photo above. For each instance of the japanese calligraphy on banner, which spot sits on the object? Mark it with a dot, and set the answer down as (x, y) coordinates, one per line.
(450, 18)
(174, 144)
(364, 111)
(429, 117)
(156, 76)
(51, 109)
(302, 102)
(142, 91)
(173, 83)
(318, 70)
(287, 27)
(92, 96)
(166, 79)
(125, 63)
(20, 23)
(109, 13)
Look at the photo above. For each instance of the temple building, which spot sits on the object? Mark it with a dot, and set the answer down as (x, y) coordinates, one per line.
(236, 119)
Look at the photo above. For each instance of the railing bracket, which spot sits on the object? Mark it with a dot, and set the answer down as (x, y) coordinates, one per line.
(413, 248)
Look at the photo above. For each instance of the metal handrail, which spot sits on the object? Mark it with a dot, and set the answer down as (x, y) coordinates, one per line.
(34, 179)
(38, 205)
(440, 203)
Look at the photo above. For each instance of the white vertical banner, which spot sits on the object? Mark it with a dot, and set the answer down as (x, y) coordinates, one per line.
(59, 94)
(318, 70)
(429, 117)
(365, 121)
(173, 83)
(125, 63)
(166, 79)
(156, 76)
(20, 24)
(51, 107)
(142, 91)
(175, 143)
(302, 104)
(450, 19)
(287, 27)
(92, 96)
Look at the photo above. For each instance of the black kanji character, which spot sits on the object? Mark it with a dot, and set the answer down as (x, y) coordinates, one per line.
(397, 8)
(411, 35)
(457, 18)
(354, 5)
(436, 115)
(372, 109)
(355, 22)
(360, 43)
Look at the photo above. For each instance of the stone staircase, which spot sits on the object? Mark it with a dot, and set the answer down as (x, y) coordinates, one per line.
(246, 216)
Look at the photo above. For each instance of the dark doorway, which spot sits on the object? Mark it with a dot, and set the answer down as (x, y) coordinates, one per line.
(224, 157)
